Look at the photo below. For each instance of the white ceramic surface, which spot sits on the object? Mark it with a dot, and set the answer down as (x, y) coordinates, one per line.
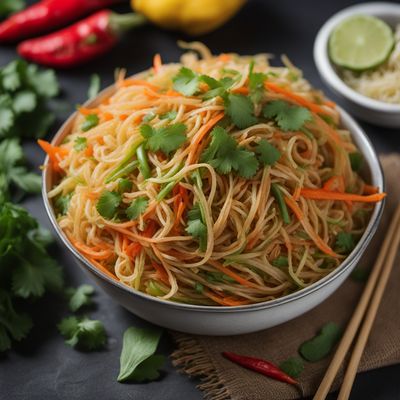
(215, 320)
(365, 108)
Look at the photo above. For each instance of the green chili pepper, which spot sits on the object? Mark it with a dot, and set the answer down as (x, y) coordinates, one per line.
(143, 163)
(276, 191)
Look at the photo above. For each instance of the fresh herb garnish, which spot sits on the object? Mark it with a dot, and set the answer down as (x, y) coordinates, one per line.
(83, 333)
(267, 153)
(224, 154)
(293, 366)
(13, 173)
(170, 115)
(186, 81)
(241, 110)
(138, 361)
(256, 84)
(276, 191)
(322, 344)
(108, 204)
(124, 185)
(281, 261)
(80, 143)
(149, 116)
(345, 242)
(25, 91)
(94, 86)
(288, 117)
(79, 297)
(198, 287)
(90, 122)
(165, 139)
(137, 207)
(62, 203)
(356, 161)
(196, 226)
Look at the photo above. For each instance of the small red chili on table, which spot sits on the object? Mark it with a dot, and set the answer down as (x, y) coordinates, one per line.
(261, 366)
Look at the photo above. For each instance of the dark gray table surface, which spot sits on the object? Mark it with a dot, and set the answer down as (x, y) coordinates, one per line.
(43, 367)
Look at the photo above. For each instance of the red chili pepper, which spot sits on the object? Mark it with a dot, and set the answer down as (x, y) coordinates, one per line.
(47, 15)
(263, 367)
(80, 42)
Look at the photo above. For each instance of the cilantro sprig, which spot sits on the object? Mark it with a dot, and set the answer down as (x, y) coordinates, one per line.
(108, 204)
(79, 297)
(15, 180)
(137, 207)
(256, 84)
(225, 155)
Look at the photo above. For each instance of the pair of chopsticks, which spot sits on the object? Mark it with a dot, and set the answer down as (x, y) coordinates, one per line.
(364, 313)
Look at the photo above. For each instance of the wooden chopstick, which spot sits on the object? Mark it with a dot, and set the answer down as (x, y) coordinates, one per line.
(380, 272)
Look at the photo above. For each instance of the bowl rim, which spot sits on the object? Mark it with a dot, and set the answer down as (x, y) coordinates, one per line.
(376, 172)
(325, 66)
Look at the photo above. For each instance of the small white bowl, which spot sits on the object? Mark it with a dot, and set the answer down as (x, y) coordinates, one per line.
(370, 110)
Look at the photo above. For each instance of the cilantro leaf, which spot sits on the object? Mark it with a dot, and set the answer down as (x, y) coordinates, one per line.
(137, 360)
(11, 6)
(83, 333)
(6, 120)
(24, 101)
(149, 116)
(62, 203)
(186, 82)
(293, 366)
(281, 261)
(170, 115)
(356, 161)
(241, 109)
(108, 204)
(288, 117)
(137, 207)
(80, 143)
(322, 344)
(267, 153)
(79, 297)
(165, 139)
(196, 226)
(256, 84)
(124, 185)
(90, 122)
(345, 242)
(13, 173)
(225, 155)
(94, 86)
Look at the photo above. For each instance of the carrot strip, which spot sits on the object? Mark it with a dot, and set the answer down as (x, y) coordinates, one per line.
(242, 90)
(294, 97)
(150, 229)
(102, 268)
(55, 153)
(321, 194)
(97, 255)
(225, 301)
(232, 274)
(308, 228)
(297, 192)
(160, 272)
(153, 94)
(123, 117)
(369, 189)
(200, 135)
(330, 103)
(335, 183)
(133, 249)
(107, 116)
(224, 57)
(157, 63)
(138, 82)
(88, 111)
(89, 151)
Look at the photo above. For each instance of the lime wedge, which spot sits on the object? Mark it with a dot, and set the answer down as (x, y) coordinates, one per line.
(361, 42)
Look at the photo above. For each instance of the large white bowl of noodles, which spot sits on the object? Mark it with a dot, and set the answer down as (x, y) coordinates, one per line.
(217, 319)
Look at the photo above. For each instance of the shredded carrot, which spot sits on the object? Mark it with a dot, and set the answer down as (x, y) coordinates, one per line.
(133, 249)
(106, 101)
(88, 111)
(224, 57)
(123, 117)
(160, 272)
(92, 195)
(296, 193)
(55, 153)
(308, 228)
(322, 194)
(232, 274)
(200, 135)
(369, 189)
(153, 94)
(173, 93)
(330, 103)
(157, 63)
(89, 151)
(335, 183)
(138, 82)
(225, 300)
(294, 97)
(102, 268)
(99, 139)
(107, 116)
(242, 90)
(150, 228)
(90, 251)
(327, 128)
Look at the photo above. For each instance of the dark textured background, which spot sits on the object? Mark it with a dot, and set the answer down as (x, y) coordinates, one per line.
(43, 367)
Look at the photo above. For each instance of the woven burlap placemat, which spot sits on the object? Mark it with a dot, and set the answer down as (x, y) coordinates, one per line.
(200, 356)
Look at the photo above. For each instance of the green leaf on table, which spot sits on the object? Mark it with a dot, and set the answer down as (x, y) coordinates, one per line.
(288, 117)
(94, 86)
(83, 333)
(79, 297)
(24, 101)
(137, 207)
(139, 345)
(293, 366)
(322, 344)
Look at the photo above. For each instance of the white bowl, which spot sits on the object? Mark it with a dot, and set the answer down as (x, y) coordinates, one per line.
(370, 110)
(220, 320)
